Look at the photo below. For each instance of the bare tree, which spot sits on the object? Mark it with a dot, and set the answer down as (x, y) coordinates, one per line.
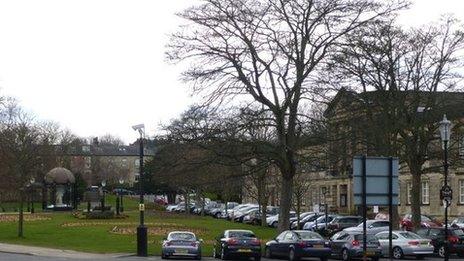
(406, 81)
(269, 51)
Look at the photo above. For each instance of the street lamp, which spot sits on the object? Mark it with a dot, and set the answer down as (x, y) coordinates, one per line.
(32, 180)
(446, 191)
(142, 243)
(119, 207)
(103, 184)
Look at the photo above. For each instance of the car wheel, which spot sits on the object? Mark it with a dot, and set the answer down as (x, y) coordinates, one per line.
(441, 251)
(267, 253)
(215, 255)
(397, 253)
(375, 259)
(274, 224)
(218, 215)
(223, 254)
(198, 257)
(345, 255)
(460, 254)
(291, 255)
(324, 258)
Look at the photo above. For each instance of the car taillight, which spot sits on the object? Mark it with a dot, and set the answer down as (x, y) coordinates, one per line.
(355, 243)
(256, 242)
(453, 239)
(413, 243)
(301, 244)
(232, 241)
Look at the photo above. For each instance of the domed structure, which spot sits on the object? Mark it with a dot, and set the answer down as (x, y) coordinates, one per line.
(59, 176)
(60, 190)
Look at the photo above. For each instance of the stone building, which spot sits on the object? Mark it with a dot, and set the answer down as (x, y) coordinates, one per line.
(334, 184)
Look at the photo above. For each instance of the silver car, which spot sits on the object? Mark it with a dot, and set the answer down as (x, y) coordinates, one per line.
(181, 244)
(405, 243)
(372, 227)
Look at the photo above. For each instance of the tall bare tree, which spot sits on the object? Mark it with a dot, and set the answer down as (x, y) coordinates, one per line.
(269, 51)
(406, 80)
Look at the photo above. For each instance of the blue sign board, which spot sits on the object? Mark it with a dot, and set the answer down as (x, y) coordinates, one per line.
(378, 171)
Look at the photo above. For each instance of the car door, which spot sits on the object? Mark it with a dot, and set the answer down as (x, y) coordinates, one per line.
(337, 241)
(276, 248)
(288, 240)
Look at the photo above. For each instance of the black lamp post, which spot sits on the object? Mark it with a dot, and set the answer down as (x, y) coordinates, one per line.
(142, 244)
(32, 195)
(446, 192)
(103, 184)
(121, 205)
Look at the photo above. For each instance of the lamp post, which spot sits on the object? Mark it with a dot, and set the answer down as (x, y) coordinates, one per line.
(103, 184)
(446, 191)
(32, 195)
(142, 243)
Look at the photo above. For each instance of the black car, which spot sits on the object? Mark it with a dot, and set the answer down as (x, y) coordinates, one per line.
(296, 244)
(341, 222)
(437, 235)
(237, 243)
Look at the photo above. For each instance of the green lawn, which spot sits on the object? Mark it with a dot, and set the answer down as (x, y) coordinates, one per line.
(67, 232)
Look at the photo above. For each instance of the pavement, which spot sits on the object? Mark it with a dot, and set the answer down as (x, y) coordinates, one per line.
(10, 252)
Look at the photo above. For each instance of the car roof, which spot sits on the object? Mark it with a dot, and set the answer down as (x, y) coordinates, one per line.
(181, 232)
(238, 230)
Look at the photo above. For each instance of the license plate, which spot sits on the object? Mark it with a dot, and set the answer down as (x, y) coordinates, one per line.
(181, 251)
(244, 250)
(370, 253)
(318, 246)
(424, 243)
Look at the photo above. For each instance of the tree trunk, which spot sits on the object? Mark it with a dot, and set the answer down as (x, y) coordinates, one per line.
(285, 203)
(416, 199)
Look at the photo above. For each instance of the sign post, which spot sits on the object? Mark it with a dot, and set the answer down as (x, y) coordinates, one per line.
(375, 184)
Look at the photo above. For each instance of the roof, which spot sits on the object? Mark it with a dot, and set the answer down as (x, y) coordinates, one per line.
(59, 176)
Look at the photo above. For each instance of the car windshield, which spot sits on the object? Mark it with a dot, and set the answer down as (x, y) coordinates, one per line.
(458, 232)
(460, 220)
(182, 236)
(368, 222)
(409, 235)
(241, 234)
(308, 235)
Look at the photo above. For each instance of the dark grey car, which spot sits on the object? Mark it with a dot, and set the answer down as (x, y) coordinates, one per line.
(349, 245)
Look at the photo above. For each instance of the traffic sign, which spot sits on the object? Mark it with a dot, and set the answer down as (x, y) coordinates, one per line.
(446, 193)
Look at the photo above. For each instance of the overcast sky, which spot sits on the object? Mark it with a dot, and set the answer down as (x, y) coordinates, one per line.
(97, 66)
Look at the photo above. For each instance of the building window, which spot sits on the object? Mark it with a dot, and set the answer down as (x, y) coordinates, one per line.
(408, 193)
(425, 192)
(461, 146)
(399, 194)
(461, 191)
(343, 200)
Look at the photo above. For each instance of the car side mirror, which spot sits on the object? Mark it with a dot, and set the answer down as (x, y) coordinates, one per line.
(201, 240)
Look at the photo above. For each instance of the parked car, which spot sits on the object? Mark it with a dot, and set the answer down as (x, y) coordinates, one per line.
(319, 224)
(349, 244)
(405, 243)
(426, 222)
(437, 237)
(171, 208)
(372, 227)
(296, 244)
(230, 213)
(254, 217)
(121, 191)
(458, 222)
(294, 220)
(273, 221)
(181, 244)
(239, 215)
(341, 222)
(308, 218)
(237, 243)
(217, 211)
